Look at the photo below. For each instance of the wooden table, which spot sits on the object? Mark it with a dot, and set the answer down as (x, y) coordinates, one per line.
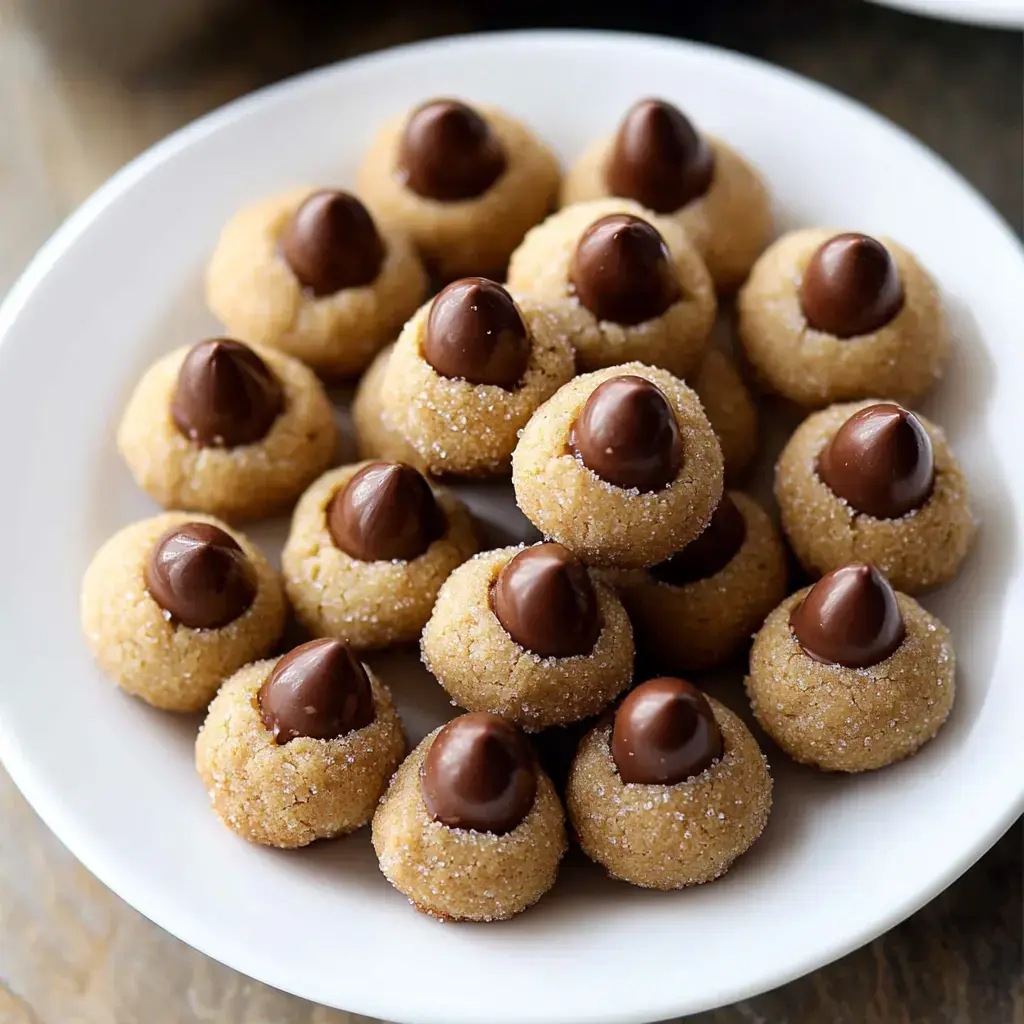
(70, 951)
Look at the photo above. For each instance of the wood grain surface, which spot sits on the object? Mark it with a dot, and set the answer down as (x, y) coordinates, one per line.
(70, 951)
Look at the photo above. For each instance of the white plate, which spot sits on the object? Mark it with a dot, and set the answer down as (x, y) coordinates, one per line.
(842, 858)
(995, 13)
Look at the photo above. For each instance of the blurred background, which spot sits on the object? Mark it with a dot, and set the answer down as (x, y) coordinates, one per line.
(87, 84)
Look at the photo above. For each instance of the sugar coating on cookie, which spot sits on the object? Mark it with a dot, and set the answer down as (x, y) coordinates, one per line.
(474, 234)
(919, 549)
(256, 293)
(670, 836)
(465, 428)
(289, 794)
(376, 435)
(464, 873)
(139, 643)
(242, 481)
(369, 604)
(603, 523)
(899, 357)
(700, 608)
(730, 409)
(674, 336)
(483, 668)
(723, 204)
(841, 718)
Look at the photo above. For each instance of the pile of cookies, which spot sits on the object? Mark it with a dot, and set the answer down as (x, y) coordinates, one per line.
(590, 378)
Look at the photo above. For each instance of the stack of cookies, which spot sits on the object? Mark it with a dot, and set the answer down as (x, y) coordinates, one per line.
(571, 352)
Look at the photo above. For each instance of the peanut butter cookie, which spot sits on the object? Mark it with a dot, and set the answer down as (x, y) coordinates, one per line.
(466, 183)
(660, 160)
(315, 275)
(471, 828)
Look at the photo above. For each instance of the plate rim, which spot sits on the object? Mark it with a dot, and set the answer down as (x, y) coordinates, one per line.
(985, 15)
(46, 802)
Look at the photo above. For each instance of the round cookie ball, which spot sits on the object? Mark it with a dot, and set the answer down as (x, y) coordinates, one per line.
(849, 675)
(469, 369)
(672, 791)
(828, 317)
(313, 274)
(702, 606)
(376, 435)
(471, 828)
(660, 160)
(528, 634)
(890, 462)
(299, 748)
(369, 547)
(731, 411)
(632, 283)
(171, 606)
(465, 183)
(621, 466)
(225, 428)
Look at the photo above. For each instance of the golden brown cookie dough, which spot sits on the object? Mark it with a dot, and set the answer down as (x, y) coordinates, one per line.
(468, 371)
(376, 436)
(698, 180)
(206, 577)
(731, 411)
(699, 608)
(273, 782)
(465, 184)
(473, 830)
(655, 441)
(403, 537)
(351, 282)
(233, 430)
(851, 718)
(916, 548)
(894, 340)
(527, 634)
(666, 819)
(618, 309)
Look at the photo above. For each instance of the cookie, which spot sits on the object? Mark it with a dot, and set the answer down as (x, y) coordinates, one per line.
(528, 634)
(633, 284)
(299, 748)
(469, 369)
(672, 791)
(828, 317)
(849, 675)
(730, 410)
(659, 159)
(471, 828)
(313, 274)
(870, 481)
(466, 183)
(171, 606)
(702, 606)
(230, 429)
(369, 547)
(376, 435)
(621, 466)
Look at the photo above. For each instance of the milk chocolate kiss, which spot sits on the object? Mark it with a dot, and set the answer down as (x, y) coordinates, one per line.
(851, 286)
(880, 461)
(480, 773)
(664, 732)
(319, 690)
(658, 158)
(849, 617)
(627, 434)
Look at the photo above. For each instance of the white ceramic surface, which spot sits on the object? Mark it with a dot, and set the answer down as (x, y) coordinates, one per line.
(842, 858)
(994, 13)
